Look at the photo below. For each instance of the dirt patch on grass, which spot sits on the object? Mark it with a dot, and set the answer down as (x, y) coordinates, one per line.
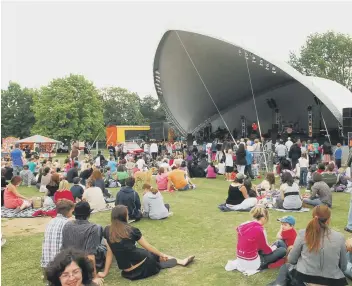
(23, 226)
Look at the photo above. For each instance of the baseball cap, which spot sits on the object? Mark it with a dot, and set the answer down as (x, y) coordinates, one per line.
(240, 176)
(288, 219)
(82, 209)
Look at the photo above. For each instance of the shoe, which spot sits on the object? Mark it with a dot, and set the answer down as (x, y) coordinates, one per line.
(348, 230)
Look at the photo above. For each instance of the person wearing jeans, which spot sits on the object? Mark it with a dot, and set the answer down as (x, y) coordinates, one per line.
(253, 250)
(17, 160)
(303, 165)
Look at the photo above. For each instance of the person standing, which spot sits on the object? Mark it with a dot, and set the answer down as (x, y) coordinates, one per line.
(241, 158)
(338, 156)
(154, 150)
(281, 150)
(17, 160)
(288, 144)
(228, 164)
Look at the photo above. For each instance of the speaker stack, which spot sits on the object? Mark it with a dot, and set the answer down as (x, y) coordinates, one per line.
(347, 124)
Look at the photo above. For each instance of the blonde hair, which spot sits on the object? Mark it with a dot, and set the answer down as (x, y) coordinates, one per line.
(258, 212)
(64, 185)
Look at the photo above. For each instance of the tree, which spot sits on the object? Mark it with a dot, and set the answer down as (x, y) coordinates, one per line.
(17, 118)
(68, 108)
(121, 107)
(327, 55)
(151, 109)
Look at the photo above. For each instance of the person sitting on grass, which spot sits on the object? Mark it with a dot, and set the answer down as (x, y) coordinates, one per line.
(27, 176)
(321, 193)
(211, 171)
(268, 184)
(253, 250)
(153, 203)
(112, 164)
(94, 196)
(72, 172)
(53, 232)
(98, 181)
(329, 175)
(287, 233)
(318, 254)
(53, 186)
(63, 192)
(85, 236)
(348, 271)
(136, 263)
(290, 198)
(128, 197)
(122, 175)
(250, 201)
(161, 179)
(32, 165)
(77, 189)
(71, 267)
(237, 192)
(178, 179)
(85, 175)
(13, 199)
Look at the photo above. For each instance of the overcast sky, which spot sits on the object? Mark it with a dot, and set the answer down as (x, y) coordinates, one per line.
(113, 44)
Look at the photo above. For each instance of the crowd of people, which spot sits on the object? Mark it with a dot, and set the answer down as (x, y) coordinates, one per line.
(81, 251)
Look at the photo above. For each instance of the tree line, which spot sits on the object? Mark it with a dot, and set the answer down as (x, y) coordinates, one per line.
(73, 108)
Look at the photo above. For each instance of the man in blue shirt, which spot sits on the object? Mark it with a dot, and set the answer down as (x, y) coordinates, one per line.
(17, 160)
(338, 156)
(112, 164)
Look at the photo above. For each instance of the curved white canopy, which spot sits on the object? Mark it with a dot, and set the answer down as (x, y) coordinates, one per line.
(196, 76)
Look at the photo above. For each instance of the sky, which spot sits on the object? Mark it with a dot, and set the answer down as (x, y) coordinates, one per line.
(114, 43)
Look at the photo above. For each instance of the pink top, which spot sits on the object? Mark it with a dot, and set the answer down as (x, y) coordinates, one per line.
(11, 201)
(210, 172)
(161, 181)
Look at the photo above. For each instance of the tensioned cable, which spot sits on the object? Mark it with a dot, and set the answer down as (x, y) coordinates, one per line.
(256, 110)
(200, 77)
(326, 129)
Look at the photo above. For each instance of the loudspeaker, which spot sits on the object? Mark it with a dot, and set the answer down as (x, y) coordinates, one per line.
(346, 112)
(347, 124)
(189, 139)
(274, 132)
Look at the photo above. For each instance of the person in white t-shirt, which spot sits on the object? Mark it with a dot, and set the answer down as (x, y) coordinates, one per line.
(303, 165)
(288, 144)
(146, 148)
(94, 196)
(140, 163)
(154, 150)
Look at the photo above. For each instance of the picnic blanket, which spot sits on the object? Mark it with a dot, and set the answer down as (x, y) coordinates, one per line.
(302, 210)
(107, 208)
(224, 208)
(10, 213)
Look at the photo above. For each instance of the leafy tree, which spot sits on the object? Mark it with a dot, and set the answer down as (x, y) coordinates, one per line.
(68, 108)
(17, 118)
(327, 55)
(121, 107)
(151, 109)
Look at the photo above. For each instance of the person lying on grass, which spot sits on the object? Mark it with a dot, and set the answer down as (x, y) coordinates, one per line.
(135, 263)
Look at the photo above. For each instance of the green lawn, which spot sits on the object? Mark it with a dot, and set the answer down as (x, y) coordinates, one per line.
(197, 227)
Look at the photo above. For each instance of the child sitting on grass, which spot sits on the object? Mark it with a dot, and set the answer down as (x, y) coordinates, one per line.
(286, 238)
(287, 233)
(153, 203)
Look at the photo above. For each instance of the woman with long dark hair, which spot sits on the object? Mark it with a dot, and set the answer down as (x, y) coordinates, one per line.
(135, 263)
(241, 161)
(319, 254)
(290, 198)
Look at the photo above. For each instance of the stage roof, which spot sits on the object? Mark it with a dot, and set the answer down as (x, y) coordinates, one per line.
(196, 76)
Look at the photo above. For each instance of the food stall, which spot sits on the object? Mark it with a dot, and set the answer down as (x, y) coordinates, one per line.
(46, 147)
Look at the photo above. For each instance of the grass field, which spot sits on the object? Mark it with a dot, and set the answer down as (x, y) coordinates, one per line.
(197, 227)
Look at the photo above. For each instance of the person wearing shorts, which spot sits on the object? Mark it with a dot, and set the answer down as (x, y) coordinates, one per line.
(228, 164)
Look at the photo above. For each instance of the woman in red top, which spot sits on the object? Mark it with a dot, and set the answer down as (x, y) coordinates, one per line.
(63, 192)
(13, 199)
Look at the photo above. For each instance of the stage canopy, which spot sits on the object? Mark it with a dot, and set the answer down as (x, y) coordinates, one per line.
(197, 77)
(37, 139)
